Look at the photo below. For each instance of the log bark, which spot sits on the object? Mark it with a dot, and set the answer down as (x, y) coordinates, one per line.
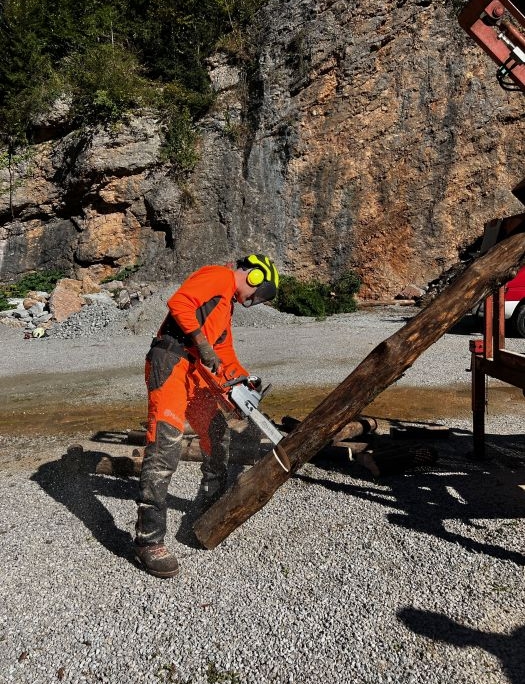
(355, 428)
(383, 366)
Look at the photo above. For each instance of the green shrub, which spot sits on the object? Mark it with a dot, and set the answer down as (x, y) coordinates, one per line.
(342, 293)
(4, 304)
(110, 56)
(106, 83)
(301, 298)
(38, 280)
(180, 141)
(314, 298)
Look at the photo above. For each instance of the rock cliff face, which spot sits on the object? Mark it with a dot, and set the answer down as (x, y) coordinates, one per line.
(370, 136)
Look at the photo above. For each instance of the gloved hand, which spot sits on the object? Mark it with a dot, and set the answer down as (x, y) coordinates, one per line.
(208, 357)
(206, 352)
(255, 382)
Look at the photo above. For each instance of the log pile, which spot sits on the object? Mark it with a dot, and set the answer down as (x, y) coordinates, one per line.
(246, 449)
(354, 442)
(247, 446)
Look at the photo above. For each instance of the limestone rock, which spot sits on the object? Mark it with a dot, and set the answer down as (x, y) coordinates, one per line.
(113, 285)
(123, 299)
(223, 74)
(29, 302)
(11, 322)
(369, 136)
(36, 310)
(98, 298)
(38, 295)
(122, 191)
(115, 236)
(55, 121)
(410, 292)
(66, 299)
(128, 150)
(90, 285)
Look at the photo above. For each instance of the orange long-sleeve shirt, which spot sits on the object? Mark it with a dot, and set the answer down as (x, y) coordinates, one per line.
(205, 301)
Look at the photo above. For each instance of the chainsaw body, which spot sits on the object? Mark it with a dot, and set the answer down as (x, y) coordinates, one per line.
(238, 396)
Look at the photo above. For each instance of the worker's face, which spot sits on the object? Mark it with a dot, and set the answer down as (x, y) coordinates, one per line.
(243, 291)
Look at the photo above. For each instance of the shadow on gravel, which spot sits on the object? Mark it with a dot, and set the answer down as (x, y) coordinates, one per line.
(77, 490)
(192, 512)
(508, 648)
(468, 325)
(77, 487)
(455, 489)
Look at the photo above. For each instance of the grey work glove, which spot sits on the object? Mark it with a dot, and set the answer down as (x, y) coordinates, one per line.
(206, 352)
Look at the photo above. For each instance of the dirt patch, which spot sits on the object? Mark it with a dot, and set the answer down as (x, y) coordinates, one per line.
(403, 402)
(70, 406)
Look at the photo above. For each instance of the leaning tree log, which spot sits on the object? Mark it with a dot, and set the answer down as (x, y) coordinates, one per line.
(383, 366)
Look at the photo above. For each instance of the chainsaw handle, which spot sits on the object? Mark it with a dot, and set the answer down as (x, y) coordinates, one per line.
(236, 381)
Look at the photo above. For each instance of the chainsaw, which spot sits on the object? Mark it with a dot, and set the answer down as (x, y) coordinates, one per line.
(240, 397)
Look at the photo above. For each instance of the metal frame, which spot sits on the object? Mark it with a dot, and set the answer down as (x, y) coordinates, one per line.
(488, 24)
(490, 358)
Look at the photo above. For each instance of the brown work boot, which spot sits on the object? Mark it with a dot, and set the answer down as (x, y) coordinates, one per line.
(157, 560)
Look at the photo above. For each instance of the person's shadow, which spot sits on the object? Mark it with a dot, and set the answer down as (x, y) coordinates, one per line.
(508, 648)
(192, 512)
(73, 483)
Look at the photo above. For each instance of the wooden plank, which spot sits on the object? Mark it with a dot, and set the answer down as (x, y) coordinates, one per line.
(497, 370)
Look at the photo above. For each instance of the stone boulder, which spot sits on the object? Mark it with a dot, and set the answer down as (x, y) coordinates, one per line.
(66, 299)
(98, 298)
(410, 292)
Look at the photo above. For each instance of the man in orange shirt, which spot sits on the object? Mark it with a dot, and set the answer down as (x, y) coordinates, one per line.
(197, 327)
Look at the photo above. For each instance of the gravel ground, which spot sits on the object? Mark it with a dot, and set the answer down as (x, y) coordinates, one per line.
(340, 578)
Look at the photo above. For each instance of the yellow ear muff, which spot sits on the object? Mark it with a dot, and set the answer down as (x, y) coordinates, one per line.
(255, 277)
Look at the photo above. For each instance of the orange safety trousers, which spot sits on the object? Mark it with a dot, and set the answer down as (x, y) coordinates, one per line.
(183, 396)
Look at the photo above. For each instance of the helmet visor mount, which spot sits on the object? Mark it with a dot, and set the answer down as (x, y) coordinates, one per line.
(264, 292)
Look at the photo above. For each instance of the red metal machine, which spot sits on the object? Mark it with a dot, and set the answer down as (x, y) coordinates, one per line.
(498, 27)
(489, 356)
(495, 26)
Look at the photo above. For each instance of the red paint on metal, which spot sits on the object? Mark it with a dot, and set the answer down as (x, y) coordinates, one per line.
(476, 346)
(481, 21)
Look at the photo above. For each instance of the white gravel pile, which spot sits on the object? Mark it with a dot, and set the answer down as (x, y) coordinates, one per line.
(146, 317)
(95, 320)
